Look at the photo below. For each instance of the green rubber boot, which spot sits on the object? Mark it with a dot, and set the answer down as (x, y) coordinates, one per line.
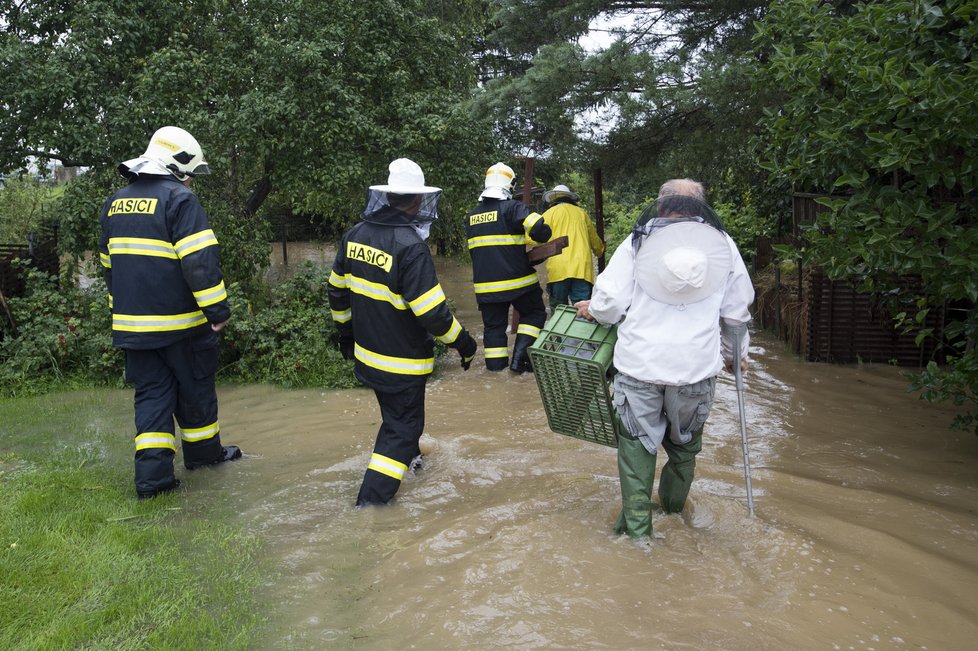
(677, 475)
(636, 471)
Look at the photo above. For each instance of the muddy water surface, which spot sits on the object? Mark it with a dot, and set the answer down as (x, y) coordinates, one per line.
(865, 534)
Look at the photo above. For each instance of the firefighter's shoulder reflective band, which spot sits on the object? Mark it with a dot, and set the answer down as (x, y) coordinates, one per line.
(157, 322)
(200, 433)
(503, 285)
(341, 317)
(376, 291)
(148, 440)
(105, 260)
(211, 295)
(399, 365)
(527, 329)
(132, 206)
(195, 242)
(452, 334)
(387, 466)
(496, 352)
(497, 240)
(428, 301)
(141, 246)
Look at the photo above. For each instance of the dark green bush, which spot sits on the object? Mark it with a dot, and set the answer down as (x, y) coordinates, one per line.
(63, 338)
(285, 336)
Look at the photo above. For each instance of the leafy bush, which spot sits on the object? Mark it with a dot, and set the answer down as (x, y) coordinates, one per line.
(63, 338)
(287, 336)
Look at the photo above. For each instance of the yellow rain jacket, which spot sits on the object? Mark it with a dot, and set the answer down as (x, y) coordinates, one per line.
(575, 260)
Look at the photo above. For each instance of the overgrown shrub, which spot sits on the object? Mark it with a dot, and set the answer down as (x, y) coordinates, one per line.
(285, 336)
(61, 337)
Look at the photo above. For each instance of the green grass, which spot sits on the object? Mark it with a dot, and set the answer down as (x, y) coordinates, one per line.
(87, 566)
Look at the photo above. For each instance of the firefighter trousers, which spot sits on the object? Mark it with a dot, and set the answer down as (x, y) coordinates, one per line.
(402, 423)
(495, 319)
(174, 381)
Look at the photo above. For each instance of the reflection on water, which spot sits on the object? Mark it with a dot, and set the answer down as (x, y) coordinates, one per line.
(864, 535)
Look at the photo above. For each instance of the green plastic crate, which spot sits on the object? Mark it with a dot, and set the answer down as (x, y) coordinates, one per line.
(572, 361)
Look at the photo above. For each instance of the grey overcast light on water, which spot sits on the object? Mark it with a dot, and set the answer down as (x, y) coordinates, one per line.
(864, 535)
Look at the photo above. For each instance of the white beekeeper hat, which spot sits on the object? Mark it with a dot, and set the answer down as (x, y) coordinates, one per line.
(405, 177)
(683, 263)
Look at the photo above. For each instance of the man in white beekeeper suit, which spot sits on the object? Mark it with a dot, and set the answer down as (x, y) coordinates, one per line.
(667, 287)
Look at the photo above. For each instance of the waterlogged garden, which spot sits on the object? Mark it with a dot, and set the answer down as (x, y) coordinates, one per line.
(864, 474)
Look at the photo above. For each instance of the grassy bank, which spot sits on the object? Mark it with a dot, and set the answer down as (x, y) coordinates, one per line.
(86, 565)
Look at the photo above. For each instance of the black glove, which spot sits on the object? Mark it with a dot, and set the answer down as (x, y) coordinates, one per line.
(466, 349)
(346, 347)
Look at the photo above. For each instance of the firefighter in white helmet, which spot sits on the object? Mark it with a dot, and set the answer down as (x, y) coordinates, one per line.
(498, 230)
(389, 307)
(161, 263)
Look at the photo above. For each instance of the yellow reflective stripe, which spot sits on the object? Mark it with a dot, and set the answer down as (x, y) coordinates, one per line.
(387, 466)
(148, 440)
(141, 246)
(526, 329)
(452, 334)
(399, 365)
(105, 259)
(503, 285)
(530, 221)
(376, 291)
(211, 295)
(337, 280)
(428, 301)
(157, 323)
(200, 433)
(110, 301)
(497, 240)
(341, 317)
(496, 353)
(195, 242)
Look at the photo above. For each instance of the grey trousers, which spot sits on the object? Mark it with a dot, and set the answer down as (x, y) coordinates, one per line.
(648, 411)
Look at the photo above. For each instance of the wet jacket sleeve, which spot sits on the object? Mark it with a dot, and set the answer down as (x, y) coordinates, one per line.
(424, 295)
(103, 251)
(338, 291)
(532, 224)
(738, 294)
(200, 258)
(614, 287)
(597, 245)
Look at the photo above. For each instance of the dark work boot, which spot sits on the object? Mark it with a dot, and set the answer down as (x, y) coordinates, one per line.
(521, 355)
(228, 453)
(145, 495)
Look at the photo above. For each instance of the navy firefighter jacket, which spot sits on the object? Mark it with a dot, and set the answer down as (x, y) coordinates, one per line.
(498, 232)
(161, 263)
(384, 293)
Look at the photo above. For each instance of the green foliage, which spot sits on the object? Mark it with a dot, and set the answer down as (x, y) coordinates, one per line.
(286, 338)
(306, 99)
(25, 204)
(877, 109)
(63, 338)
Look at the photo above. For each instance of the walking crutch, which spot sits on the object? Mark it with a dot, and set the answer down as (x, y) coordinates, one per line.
(737, 330)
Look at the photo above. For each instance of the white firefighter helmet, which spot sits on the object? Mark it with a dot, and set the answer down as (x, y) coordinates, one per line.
(178, 151)
(499, 182)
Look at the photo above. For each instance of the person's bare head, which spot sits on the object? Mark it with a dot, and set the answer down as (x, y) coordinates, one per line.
(681, 198)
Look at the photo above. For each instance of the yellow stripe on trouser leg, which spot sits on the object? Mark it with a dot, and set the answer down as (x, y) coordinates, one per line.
(148, 440)
(495, 353)
(387, 466)
(200, 433)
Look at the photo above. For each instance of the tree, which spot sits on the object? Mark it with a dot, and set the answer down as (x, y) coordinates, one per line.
(877, 105)
(668, 95)
(307, 99)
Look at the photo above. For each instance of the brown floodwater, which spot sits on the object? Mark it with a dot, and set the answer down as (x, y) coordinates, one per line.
(865, 534)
